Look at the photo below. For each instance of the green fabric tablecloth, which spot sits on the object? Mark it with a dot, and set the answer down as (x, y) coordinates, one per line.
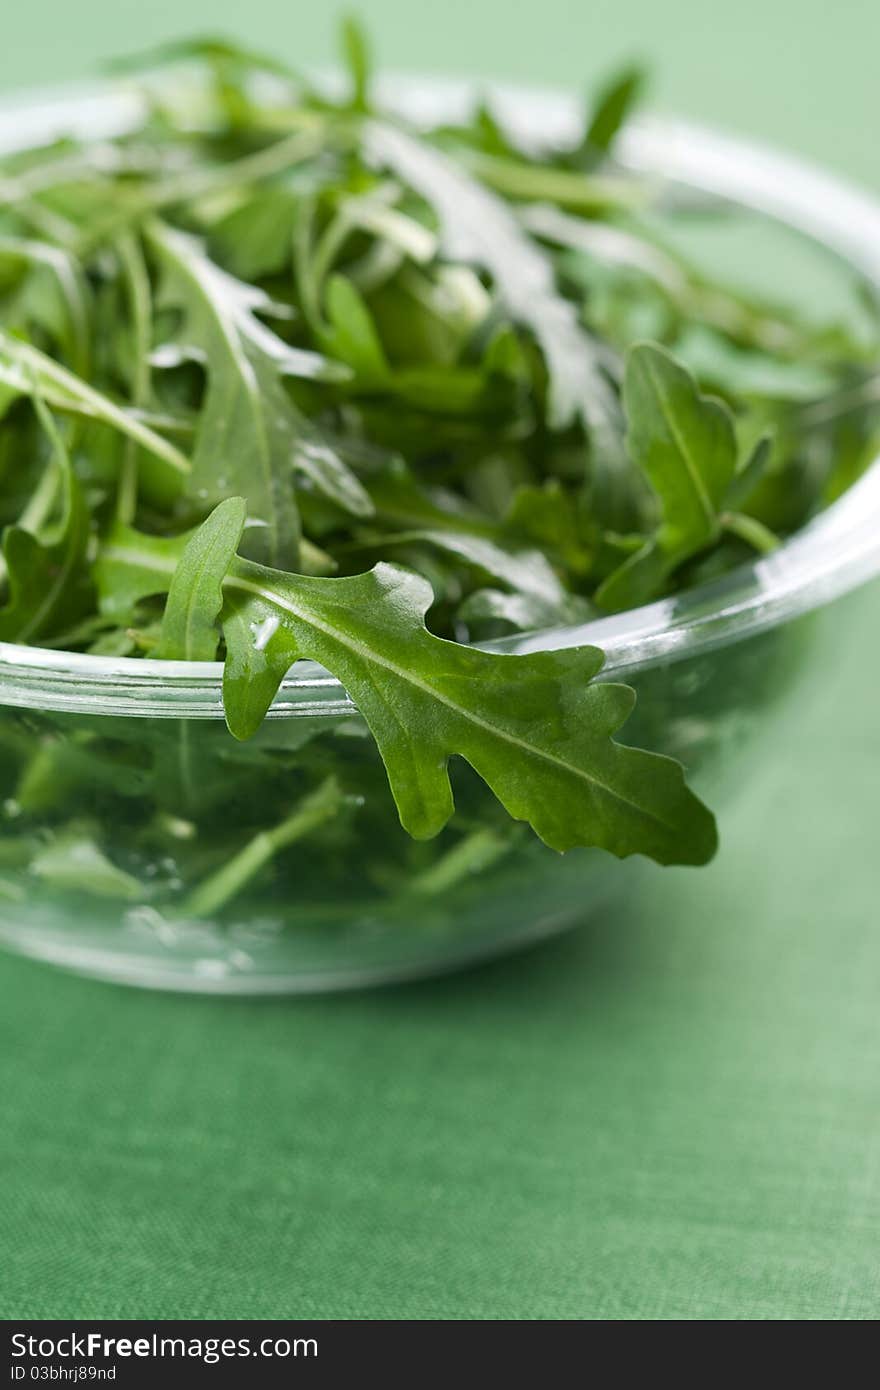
(674, 1113)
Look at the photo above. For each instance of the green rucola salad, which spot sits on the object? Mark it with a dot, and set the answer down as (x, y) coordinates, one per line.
(283, 377)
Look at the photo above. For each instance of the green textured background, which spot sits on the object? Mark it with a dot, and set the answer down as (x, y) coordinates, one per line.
(672, 1114)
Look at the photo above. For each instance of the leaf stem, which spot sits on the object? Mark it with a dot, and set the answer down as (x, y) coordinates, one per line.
(42, 499)
(186, 187)
(750, 530)
(100, 406)
(251, 168)
(137, 286)
(563, 187)
(220, 887)
(475, 852)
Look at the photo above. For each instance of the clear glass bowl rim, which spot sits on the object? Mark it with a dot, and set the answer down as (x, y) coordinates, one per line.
(837, 551)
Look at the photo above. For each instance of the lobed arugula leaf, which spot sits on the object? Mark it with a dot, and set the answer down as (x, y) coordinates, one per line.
(538, 728)
(251, 437)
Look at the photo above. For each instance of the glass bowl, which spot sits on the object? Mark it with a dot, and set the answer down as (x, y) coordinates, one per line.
(141, 749)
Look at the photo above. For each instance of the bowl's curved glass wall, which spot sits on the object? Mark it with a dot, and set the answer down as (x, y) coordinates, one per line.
(139, 842)
(193, 861)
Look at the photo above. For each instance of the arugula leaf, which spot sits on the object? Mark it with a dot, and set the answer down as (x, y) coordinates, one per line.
(322, 465)
(54, 293)
(751, 471)
(49, 583)
(189, 626)
(478, 228)
(520, 611)
(254, 238)
(356, 52)
(685, 443)
(525, 570)
(491, 549)
(536, 728)
(743, 372)
(612, 109)
(548, 515)
(250, 433)
(30, 372)
(351, 333)
(132, 566)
